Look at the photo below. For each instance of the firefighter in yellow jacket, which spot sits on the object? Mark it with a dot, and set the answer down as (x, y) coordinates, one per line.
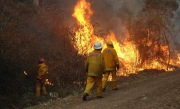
(94, 68)
(111, 64)
(41, 77)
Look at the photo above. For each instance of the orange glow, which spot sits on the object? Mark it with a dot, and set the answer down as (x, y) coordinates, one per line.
(47, 82)
(25, 73)
(178, 62)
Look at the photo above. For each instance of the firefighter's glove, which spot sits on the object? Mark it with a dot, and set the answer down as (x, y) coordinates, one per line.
(39, 78)
(117, 66)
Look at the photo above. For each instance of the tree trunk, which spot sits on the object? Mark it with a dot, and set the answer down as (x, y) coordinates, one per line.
(169, 56)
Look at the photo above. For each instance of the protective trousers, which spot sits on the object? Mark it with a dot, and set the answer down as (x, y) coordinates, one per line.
(38, 88)
(105, 78)
(91, 80)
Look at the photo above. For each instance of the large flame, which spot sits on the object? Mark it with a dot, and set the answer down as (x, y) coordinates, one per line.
(84, 35)
(127, 52)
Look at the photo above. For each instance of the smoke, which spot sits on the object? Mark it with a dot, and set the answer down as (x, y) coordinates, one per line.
(113, 14)
(133, 5)
(177, 22)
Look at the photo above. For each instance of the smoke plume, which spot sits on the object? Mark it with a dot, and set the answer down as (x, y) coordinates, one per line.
(113, 14)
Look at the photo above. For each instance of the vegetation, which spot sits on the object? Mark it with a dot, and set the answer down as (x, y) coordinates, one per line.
(26, 34)
(151, 29)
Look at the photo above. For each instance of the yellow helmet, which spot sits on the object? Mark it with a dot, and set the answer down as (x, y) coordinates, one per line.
(109, 43)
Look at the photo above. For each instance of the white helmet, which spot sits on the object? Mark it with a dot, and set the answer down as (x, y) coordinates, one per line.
(97, 45)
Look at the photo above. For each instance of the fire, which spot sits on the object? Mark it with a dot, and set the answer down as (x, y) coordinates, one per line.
(84, 35)
(127, 51)
(178, 62)
(83, 12)
(25, 72)
(85, 38)
(47, 82)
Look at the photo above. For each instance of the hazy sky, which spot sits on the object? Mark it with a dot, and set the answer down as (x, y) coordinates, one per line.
(177, 22)
(109, 15)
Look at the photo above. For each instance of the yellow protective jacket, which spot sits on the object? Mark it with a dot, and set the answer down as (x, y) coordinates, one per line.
(43, 71)
(95, 65)
(110, 58)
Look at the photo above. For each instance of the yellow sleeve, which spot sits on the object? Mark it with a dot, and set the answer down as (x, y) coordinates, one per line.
(103, 63)
(116, 57)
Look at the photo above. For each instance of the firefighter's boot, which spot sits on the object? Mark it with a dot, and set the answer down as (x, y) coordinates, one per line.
(85, 96)
(104, 89)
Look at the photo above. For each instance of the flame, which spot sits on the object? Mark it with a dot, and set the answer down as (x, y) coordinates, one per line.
(84, 35)
(85, 38)
(25, 72)
(127, 51)
(178, 62)
(47, 82)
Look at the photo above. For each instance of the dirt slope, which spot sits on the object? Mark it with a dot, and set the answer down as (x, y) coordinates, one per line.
(144, 91)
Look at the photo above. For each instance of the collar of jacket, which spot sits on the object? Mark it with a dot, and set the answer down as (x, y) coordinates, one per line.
(41, 64)
(110, 46)
(97, 51)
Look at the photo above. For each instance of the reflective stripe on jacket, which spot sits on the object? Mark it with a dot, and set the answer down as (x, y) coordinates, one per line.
(95, 64)
(110, 58)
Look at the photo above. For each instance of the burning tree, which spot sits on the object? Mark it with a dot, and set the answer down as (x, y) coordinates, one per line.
(150, 32)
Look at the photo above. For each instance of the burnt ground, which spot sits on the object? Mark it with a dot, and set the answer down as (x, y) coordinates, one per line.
(149, 89)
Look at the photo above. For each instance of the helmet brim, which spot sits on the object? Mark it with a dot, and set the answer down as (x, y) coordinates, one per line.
(97, 48)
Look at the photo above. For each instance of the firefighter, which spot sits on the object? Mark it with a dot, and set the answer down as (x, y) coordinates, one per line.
(111, 65)
(95, 67)
(41, 77)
